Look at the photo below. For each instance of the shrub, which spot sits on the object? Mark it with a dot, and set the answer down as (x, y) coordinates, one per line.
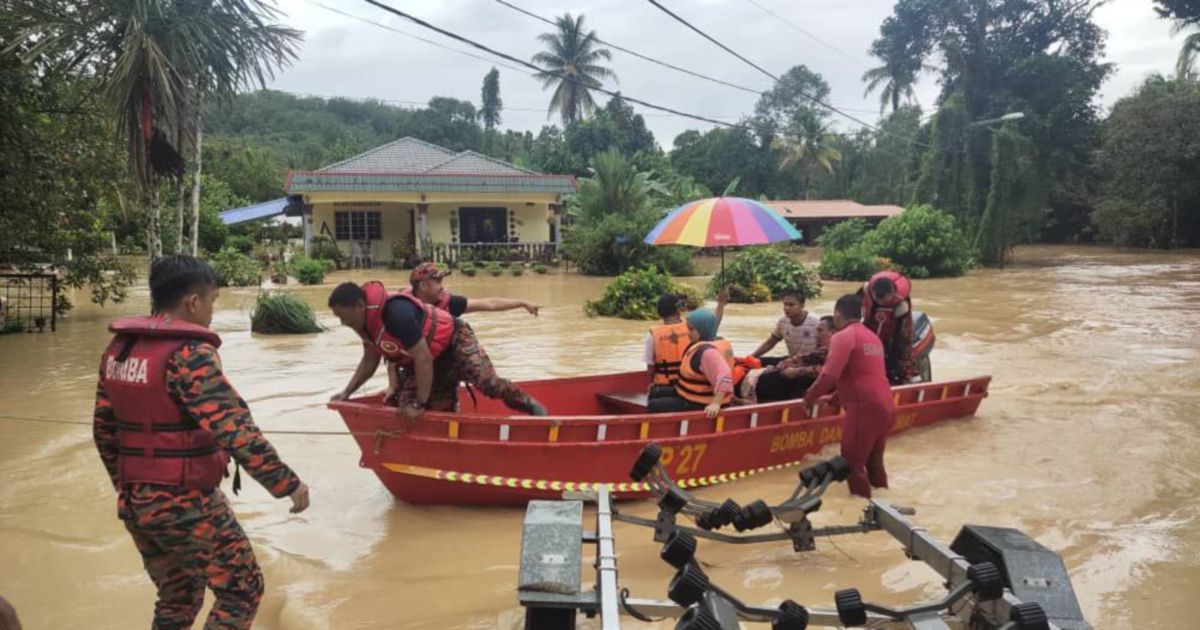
(922, 242)
(770, 267)
(844, 234)
(635, 293)
(541, 269)
(468, 269)
(241, 243)
(310, 270)
(324, 249)
(753, 294)
(613, 244)
(517, 270)
(853, 263)
(283, 313)
(235, 269)
(495, 269)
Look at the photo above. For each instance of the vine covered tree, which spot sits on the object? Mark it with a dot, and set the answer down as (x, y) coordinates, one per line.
(490, 103)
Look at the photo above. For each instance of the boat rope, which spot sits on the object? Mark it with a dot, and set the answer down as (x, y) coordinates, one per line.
(379, 433)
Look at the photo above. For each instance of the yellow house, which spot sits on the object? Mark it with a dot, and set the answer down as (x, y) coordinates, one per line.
(413, 199)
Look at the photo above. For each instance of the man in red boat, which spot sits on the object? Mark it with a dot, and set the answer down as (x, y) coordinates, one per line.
(705, 370)
(887, 311)
(855, 367)
(426, 284)
(438, 350)
(426, 281)
(166, 423)
(666, 342)
(791, 378)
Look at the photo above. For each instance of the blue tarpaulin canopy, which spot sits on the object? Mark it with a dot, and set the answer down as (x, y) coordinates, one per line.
(272, 208)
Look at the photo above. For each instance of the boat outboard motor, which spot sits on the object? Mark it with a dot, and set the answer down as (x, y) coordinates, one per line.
(922, 345)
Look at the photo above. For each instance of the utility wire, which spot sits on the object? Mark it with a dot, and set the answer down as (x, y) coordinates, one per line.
(539, 69)
(637, 54)
(804, 32)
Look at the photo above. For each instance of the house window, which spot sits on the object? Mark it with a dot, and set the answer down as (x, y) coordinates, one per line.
(483, 225)
(357, 226)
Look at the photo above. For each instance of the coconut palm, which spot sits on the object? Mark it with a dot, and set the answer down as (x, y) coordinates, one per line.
(572, 68)
(1189, 51)
(807, 147)
(155, 60)
(896, 83)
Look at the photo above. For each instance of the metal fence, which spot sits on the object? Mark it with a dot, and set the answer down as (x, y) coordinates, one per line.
(27, 302)
(452, 253)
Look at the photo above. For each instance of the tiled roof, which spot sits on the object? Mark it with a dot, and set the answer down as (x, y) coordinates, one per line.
(411, 165)
(831, 209)
(406, 155)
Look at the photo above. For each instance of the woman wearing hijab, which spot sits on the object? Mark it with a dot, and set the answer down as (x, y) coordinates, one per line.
(705, 370)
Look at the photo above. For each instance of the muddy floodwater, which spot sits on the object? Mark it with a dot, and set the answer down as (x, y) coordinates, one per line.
(1089, 441)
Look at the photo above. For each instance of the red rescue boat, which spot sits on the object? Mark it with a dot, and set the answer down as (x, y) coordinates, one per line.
(487, 456)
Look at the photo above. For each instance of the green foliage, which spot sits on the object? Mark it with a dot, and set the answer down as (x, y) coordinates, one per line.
(843, 234)
(855, 262)
(495, 269)
(517, 270)
(468, 269)
(541, 269)
(310, 270)
(241, 243)
(1151, 196)
(573, 51)
(324, 249)
(283, 313)
(922, 242)
(235, 269)
(635, 293)
(770, 267)
(489, 111)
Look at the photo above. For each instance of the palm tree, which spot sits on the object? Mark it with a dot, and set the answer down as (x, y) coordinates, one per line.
(807, 147)
(155, 60)
(1189, 51)
(572, 67)
(896, 85)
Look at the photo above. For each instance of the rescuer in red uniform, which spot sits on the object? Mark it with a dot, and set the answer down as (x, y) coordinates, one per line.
(855, 367)
(166, 423)
(887, 311)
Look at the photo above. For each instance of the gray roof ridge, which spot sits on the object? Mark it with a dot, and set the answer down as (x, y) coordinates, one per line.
(385, 146)
(488, 158)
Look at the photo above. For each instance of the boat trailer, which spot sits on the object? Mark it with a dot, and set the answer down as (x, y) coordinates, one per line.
(996, 578)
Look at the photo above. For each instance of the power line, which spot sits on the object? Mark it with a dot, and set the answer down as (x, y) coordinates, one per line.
(416, 37)
(637, 54)
(772, 76)
(804, 32)
(539, 69)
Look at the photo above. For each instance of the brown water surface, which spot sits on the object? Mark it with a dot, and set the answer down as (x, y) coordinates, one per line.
(1090, 442)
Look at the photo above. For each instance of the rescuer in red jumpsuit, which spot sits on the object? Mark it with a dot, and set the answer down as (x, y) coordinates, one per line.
(856, 368)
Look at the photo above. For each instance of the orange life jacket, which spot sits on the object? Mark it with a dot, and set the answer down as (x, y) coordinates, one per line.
(693, 385)
(670, 341)
(158, 441)
(437, 329)
(742, 366)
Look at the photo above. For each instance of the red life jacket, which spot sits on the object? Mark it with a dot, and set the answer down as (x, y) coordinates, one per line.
(443, 301)
(880, 317)
(158, 441)
(437, 328)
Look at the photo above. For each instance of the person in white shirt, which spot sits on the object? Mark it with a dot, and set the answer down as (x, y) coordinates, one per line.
(797, 329)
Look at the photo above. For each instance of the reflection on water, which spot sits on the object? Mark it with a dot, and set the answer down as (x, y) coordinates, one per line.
(1088, 442)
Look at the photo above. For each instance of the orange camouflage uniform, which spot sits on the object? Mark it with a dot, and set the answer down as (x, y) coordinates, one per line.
(190, 539)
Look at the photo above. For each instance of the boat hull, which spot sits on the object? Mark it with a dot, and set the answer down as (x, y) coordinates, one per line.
(488, 458)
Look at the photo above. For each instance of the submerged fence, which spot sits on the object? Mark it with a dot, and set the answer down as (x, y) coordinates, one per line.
(27, 302)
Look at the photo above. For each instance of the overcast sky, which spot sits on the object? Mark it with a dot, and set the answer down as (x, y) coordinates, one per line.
(345, 57)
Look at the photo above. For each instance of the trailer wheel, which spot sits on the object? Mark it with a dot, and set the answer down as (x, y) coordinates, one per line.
(988, 582)
(704, 521)
(753, 516)
(698, 618)
(839, 467)
(673, 501)
(1029, 616)
(792, 616)
(679, 549)
(645, 461)
(850, 608)
(688, 586)
(725, 514)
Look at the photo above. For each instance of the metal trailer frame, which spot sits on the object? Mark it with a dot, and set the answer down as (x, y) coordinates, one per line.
(609, 601)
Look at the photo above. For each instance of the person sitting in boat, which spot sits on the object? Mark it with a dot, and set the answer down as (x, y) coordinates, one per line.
(790, 378)
(887, 311)
(855, 372)
(666, 342)
(427, 285)
(797, 328)
(705, 370)
(437, 349)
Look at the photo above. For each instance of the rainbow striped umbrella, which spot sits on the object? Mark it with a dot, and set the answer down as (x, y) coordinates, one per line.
(721, 221)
